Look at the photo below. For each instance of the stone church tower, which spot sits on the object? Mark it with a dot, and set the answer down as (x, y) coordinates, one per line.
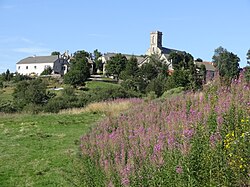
(155, 43)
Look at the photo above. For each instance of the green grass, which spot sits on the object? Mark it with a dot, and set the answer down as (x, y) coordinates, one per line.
(42, 150)
(99, 84)
(6, 94)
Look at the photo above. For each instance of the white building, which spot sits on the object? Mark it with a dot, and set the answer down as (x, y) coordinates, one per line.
(37, 64)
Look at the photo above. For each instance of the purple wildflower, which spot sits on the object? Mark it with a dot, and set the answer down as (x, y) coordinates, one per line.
(179, 170)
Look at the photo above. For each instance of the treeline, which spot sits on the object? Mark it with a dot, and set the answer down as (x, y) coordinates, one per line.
(152, 79)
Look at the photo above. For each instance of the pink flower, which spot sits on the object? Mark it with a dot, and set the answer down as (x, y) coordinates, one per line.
(179, 170)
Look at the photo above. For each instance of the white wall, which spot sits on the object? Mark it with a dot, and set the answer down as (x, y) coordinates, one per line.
(32, 68)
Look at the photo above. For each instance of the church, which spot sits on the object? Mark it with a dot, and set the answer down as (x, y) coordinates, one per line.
(155, 48)
(163, 52)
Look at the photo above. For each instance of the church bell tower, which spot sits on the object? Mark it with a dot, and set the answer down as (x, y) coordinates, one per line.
(155, 42)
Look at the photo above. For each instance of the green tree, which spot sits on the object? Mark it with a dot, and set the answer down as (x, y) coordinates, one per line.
(116, 65)
(78, 73)
(248, 56)
(227, 64)
(81, 55)
(7, 75)
(55, 53)
(1, 84)
(97, 61)
(131, 70)
(30, 92)
(79, 69)
(203, 73)
(47, 71)
(199, 60)
(176, 58)
(148, 72)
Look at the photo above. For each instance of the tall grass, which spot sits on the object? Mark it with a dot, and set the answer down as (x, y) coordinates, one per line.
(109, 108)
(190, 140)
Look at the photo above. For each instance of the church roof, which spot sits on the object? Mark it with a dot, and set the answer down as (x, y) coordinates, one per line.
(168, 50)
(38, 59)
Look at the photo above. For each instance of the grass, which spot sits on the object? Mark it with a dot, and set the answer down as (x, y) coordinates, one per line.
(41, 150)
(99, 84)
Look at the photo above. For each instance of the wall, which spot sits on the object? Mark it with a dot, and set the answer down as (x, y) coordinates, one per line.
(21, 68)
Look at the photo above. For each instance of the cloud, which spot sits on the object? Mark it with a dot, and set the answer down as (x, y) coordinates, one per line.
(32, 50)
(15, 39)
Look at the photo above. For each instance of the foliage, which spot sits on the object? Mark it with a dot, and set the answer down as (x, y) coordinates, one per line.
(197, 139)
(203, 72)
(98, 63)
(227, 63)
(47, 71)
(172, 92)
(30, 92)
(248, 57)
(199, 60)
(131, 69)
(157, 85)
(79, 71)
(116, 65)
(19, 77)
(1, 84)
(55, 53)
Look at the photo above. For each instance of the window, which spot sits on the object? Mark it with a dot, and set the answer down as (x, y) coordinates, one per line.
(27, 67)
(34, 67)
(19, 67)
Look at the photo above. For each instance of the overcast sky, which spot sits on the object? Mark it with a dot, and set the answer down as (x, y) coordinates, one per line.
(38, 27)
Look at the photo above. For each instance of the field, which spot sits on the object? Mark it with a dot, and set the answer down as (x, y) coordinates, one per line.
(41, 150)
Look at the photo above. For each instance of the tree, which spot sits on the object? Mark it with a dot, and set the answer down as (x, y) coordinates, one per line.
(80, 55)
(176, 59)
(97, 61)
(203, 72)
(47, 71)
(199, 60)
(227, 64)
(55, 53)
(131, 70)
(78, 73)
(116, 65)
(248, 56)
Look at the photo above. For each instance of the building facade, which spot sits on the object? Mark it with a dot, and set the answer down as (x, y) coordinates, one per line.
(35, 65)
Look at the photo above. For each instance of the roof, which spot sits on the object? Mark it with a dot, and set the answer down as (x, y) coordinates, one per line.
(107, 57)
(167, 51)
(38, 59)
(209, 65)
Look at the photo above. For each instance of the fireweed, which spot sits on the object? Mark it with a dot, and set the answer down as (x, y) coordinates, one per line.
(191, 140)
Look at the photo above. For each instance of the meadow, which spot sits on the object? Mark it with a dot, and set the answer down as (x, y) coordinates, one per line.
(194, 139)
(42, 150)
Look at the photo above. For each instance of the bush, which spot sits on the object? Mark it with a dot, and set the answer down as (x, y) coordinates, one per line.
(7, 107)
(1, 85)
(30, 92)
(172, 92)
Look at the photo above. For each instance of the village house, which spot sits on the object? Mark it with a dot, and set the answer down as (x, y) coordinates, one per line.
(35, 65)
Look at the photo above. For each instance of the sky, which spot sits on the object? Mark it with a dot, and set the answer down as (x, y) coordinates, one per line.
(38, 27)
